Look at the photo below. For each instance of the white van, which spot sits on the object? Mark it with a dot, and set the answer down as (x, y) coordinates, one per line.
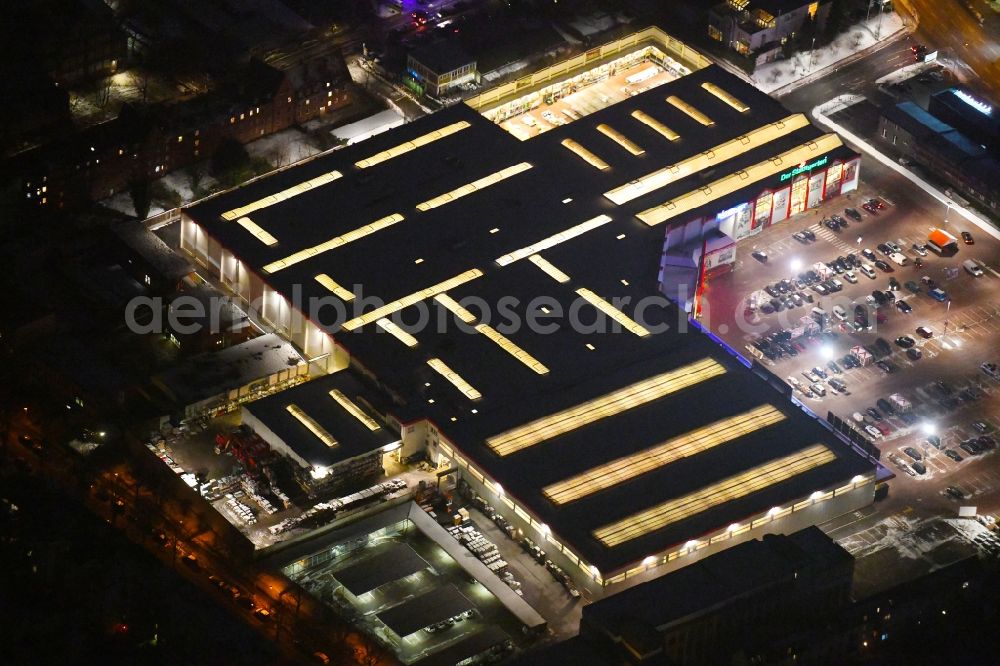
(972, 268)
(899, 258)
(819, 316)
(840, 313)
(867, 271)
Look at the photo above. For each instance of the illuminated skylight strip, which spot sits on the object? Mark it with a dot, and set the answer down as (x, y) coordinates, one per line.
(613, 403)
(415, 297)
(716, 494)
(456, 379)
(354, 410)
(455, 308)
(311, 424)
(406, 147)
(657, 126)
(511, 348)
(620, 139)
(549, 269)
(611, 311)
(697, 441)
(257, 231)
(707, 159)
(585, 155)
(335, 287)
(474, 186)
(692, 112)
(554, 240)
(706, 194)
(725, 97)
(390, 327)
(333, 243)
(492, 334)
(278, 197)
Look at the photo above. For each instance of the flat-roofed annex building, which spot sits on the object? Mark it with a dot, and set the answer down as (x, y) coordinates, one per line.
(646, 446)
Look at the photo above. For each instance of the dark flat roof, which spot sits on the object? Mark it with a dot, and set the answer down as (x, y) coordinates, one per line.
(439, 604)
(467, 647)
(442, 56)
(617, 259)
(398, 561)
(313, 397)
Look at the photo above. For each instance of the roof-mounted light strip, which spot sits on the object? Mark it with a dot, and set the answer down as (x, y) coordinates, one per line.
(716, 494)
(511, 348)
(390, 327)
(585, 155)
(411, 299)
(406, 147)
(258, 231)
(706, 159)
(354, 410)
(622, 400)
(611, 311)
(694, 113)
(706, 194)
(620, 139)
(474, 186)
(548, 268)
(554, 240)
(456, 379)
(692, 443)
(657, 126)
(492, 334)
(278, 197)
(725, 97)
(333, 243)
(335, 287)
(455, 308)
(312, 426)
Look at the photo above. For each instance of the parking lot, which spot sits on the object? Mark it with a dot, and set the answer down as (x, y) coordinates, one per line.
(945, 387)
(586, 99)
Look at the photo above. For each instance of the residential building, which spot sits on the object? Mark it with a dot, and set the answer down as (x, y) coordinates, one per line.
(759, 28)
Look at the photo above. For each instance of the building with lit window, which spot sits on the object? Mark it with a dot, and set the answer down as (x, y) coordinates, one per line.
(504, 295)
(759, 28)
(438, 67)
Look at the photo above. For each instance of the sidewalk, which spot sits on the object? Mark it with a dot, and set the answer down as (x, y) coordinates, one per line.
(781, 77)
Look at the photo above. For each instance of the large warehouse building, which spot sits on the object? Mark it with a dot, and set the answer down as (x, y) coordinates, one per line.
(504, 296)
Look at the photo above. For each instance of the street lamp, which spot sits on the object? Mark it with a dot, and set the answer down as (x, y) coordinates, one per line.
(796, 265)
(812, 50)
(946, 211)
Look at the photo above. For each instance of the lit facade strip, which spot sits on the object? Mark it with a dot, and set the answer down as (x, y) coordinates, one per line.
(403, 148)
(609, 310)
(549, 269)
(511, 348)
(716, 494)
(311, 425)
(706, 194)
(584, 154)
(607, 405)
(474, 186)
(725, 97)
(492, 334)
(354, 410)
(278, 197)
(390, 327)
(411, 299)
(657, 126)
(333, 243)
(692, 443)
(258, 231)
(555, 239)
(455, 308)
(620, 139)
(707, 159)
(692, 112)
(456, 379)
(335, 287)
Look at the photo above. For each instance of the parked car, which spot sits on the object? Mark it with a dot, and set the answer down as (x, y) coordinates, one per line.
(851, 277)
(839, 220)
(874, 413)
(981, 427)
(919, 249)
(954, 455)
(912, 286)
(760, 256)
(838, 384)
(913, 453)
(818, 389)
(991, 369)
(831, 225)
(925, 332)
(955, 492)
(904, 307)
(913, 354)
(967, 238)
(905, 341)
(868, 254)
(972, 268)
(852, 213)
(883, 266)
(873, 431)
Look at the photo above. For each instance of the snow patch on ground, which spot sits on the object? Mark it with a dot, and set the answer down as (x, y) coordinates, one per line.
(858, 37)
